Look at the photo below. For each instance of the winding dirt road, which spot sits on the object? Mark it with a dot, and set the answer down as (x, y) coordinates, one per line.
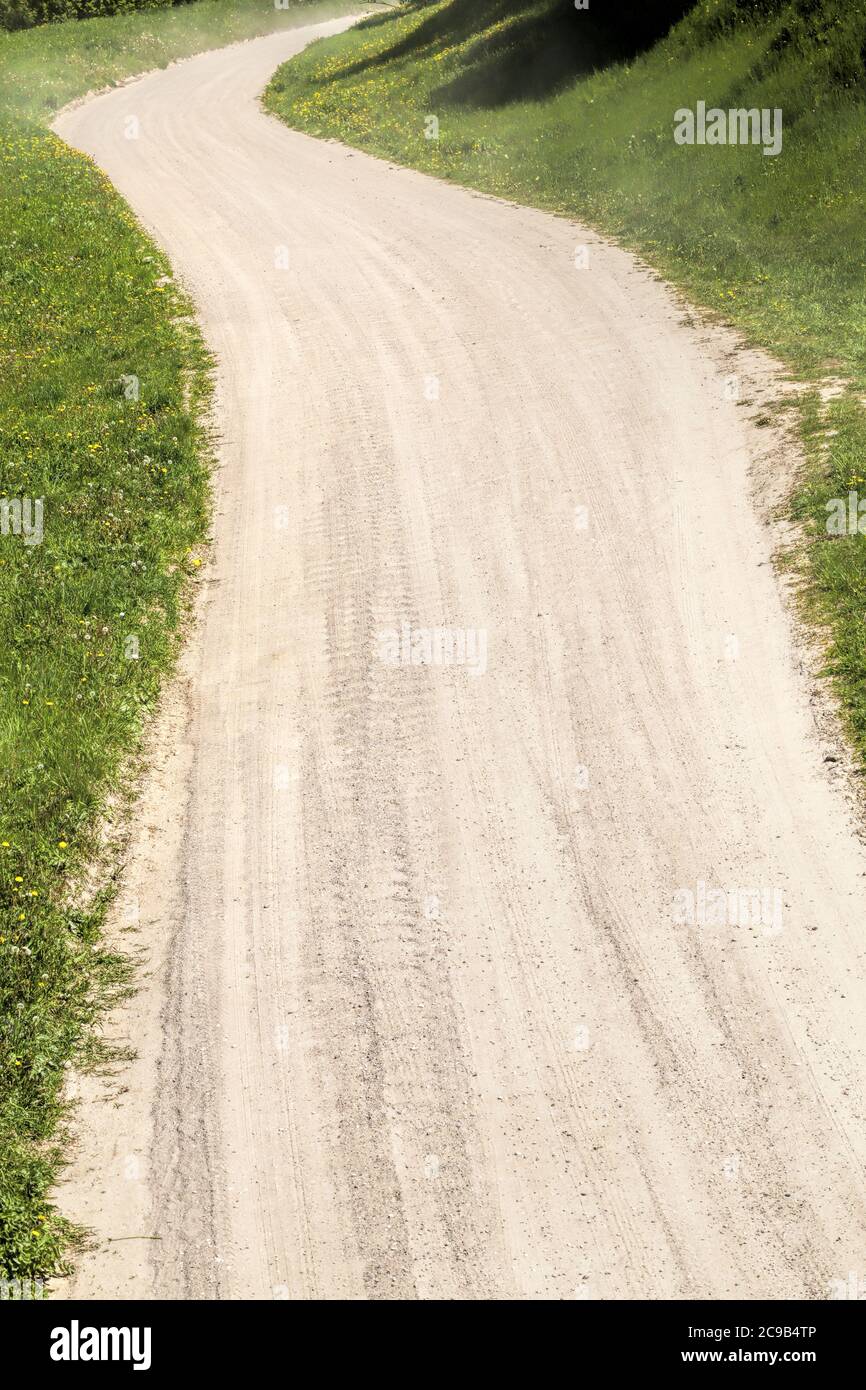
(420, 1012)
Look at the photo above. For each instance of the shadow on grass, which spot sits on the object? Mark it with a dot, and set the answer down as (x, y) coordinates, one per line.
(526, 50)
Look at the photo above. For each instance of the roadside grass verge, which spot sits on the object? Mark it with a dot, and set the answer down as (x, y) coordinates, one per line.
(104, 387)
(774, 245)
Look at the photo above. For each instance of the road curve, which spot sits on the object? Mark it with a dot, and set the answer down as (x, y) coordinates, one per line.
(420, 1015)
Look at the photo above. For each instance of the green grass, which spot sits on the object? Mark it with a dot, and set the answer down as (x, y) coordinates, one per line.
(549, 106)
(42, 69)
(91, 617)
(23, 14)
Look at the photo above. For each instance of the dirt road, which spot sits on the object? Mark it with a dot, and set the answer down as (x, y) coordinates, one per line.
(427, 1009)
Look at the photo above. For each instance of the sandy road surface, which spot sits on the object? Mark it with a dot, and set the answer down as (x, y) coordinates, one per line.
(416, 1019)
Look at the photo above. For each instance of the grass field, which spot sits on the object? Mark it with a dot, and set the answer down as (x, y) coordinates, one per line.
(104, 382)
(551, 106)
